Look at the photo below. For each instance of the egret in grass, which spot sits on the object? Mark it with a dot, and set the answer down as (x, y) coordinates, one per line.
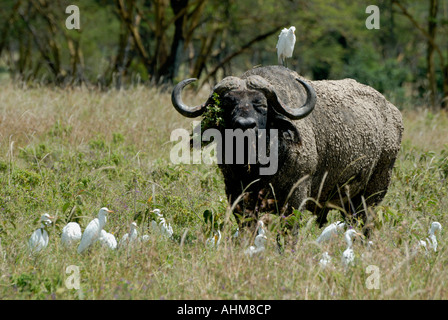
(431, 241)
(285, 44)
(325, 260)
(261, 228)
(107, 239)
(260, 241)
(93, 231)
(39, 239)
(71, 234)
(348, 256)
(161, 225)
(236, 234)
(435, 226)
(130, 237)
(331, 231)
(214, 241)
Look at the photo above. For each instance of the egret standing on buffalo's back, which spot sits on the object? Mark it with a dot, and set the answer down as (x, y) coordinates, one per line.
(285, 44)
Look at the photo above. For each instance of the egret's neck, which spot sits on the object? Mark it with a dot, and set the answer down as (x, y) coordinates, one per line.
(102, 220)
(432, 231)
(348, 239)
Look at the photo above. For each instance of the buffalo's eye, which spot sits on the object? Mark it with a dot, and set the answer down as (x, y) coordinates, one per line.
(229, 101)
(260, 105)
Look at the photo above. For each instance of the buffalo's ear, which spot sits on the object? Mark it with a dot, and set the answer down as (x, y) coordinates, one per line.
(288, 130)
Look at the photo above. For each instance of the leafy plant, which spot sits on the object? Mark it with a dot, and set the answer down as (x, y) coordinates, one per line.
(212, 118)
(213, 115)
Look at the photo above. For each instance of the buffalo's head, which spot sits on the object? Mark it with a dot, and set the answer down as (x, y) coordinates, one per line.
(250, 103)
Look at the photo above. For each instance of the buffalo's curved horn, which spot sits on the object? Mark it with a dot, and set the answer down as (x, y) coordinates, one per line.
(183, 109)
(303, 111)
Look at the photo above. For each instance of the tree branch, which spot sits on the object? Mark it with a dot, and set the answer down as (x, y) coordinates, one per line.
(422, 30)
(241, 50)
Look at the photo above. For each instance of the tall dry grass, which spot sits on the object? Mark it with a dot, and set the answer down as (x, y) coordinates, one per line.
(69, 152)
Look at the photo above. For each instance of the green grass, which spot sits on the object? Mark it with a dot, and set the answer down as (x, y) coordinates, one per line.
(70, 152)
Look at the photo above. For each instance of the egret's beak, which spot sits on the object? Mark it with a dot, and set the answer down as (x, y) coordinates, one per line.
(360, 235)
(110, 211)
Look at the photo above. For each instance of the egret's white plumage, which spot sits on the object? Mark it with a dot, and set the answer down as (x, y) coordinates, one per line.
(431, 242)
(261, 228)
(348, 256)
(260, 241)
(325, 260)
(130, 237)
(236, 234)
(331, 231)
(39, 239)
(107, 239)
(93, 230)
(285, 44)
(214, 241)
(71, 234)
(160, 225)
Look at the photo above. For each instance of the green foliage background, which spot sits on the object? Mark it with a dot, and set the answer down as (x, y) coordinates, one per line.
(332, 42)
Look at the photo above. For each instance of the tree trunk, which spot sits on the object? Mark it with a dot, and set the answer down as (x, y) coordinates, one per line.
(432, 31)
(170, 67)
(7, 25)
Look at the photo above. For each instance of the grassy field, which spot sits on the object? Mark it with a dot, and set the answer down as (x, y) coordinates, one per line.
(70, 152)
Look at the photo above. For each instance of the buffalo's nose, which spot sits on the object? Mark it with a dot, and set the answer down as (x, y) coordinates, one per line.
(245, 123)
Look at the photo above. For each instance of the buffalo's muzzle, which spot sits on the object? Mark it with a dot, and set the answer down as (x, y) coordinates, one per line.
(245, 123)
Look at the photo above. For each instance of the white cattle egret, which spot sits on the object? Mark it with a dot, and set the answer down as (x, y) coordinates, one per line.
(93, 230)
(331, 231)
(236, 234)
(214, 241)
(130, 237)
(260, 228)
(260, 241)
(161, 225)
(348, 256)
(71, 233)
(107, 239)
(431, 241)
(39, 239)
(145, 238)
(285, 44)
(325, 260)
(435, 226)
